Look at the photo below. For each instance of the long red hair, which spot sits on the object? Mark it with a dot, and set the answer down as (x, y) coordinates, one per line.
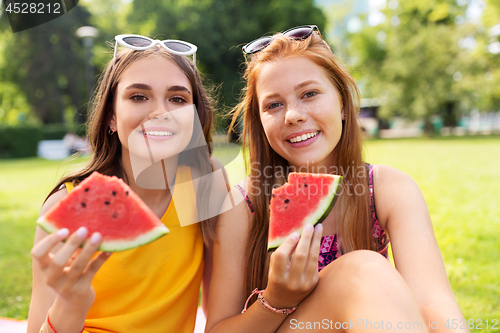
(355, 221)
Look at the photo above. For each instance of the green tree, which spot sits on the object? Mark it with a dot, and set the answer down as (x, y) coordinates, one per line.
(425, 59)
(48, 63)
(219, 29)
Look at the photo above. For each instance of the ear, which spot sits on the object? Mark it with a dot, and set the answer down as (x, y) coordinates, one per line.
(342, 114)
(112, 123)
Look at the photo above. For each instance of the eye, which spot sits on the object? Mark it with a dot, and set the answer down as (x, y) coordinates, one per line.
(310, 94)
(138, 98)
(178, 99)
(273, 105)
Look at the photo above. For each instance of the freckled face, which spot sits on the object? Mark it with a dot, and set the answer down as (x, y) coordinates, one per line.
(154, 109)
(300, 109)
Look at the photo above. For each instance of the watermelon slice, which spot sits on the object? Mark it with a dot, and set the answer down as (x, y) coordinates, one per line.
(107, 205)
(305, 198)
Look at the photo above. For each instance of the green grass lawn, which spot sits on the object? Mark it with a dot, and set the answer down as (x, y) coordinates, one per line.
(456, 176)
(24, 184)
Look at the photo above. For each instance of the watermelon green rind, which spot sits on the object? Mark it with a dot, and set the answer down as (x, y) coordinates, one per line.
(319, 215)
(338, 190)
(114, 246)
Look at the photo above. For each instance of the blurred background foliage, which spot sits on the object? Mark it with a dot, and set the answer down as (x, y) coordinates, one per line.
(418, 58)
(430, 57)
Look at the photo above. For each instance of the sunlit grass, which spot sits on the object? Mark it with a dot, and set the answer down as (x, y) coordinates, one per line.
(459, 180)
(24, 184)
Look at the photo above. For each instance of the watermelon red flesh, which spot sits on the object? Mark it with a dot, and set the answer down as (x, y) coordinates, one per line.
(305, 198)
(106, 205)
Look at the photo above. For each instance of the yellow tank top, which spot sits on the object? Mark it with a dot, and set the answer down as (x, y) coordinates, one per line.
(153, 288)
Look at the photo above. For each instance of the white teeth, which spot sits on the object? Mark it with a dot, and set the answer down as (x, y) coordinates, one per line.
(303, 137)
(157, 133)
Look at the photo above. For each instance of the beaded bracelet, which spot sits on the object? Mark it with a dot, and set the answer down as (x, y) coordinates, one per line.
(265, 304)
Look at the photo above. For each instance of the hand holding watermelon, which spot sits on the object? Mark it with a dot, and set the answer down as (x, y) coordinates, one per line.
(69, 270)
(290, 281)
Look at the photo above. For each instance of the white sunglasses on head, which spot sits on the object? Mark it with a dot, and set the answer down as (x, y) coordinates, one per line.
(137, 42)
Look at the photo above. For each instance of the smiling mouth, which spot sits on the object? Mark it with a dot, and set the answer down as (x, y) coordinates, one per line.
(157, 133)
(303, 137)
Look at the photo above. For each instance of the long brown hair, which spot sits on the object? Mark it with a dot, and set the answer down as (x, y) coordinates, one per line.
(355, 224)
(106, 149)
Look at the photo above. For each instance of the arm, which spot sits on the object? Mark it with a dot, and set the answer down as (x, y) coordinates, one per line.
(207, 273)
(403, 212)
(226, 299)
(62, 274)
(42, 296)
(208, 249)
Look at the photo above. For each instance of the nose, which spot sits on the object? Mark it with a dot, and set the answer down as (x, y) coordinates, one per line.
(159, 111)
(294, 115)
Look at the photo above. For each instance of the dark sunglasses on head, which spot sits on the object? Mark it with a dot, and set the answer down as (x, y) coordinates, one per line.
(300, 32)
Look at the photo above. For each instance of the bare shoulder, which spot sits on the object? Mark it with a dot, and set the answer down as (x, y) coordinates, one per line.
(392, 187)
(53, 199)
(237, 208)
(245, 184)
(48, 204)
(384, 175)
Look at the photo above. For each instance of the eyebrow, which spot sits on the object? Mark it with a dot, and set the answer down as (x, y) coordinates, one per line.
(271, 96)
(297, 87)
(144, 86)
(305, 83)
(179, 88)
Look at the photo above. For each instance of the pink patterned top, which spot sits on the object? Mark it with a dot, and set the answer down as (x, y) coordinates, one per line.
(330, 245)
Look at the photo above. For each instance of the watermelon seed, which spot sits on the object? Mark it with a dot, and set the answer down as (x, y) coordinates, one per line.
(274, 195)
(126, 193)
(287, 201)
(87, 189)
(305, 185)
(106, 202)
(115, 215)
(84, 205)
(113, 192)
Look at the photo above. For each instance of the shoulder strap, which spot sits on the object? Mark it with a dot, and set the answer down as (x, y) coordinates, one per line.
(69, 186)
(369, 168)
(247, 199)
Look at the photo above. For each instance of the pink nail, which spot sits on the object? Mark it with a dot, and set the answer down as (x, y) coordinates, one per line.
(96, 237)
(82, 232)
(295, 236)
(63, 233)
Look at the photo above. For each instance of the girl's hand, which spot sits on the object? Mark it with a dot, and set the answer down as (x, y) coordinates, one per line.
(70, 270)
(289, 282)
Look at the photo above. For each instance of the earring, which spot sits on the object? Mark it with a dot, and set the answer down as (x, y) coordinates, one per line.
(111, 132)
